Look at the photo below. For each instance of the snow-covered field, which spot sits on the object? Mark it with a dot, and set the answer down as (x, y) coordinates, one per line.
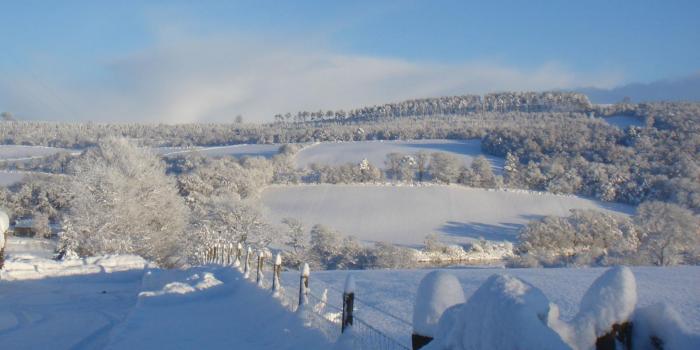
(381, 293)
(252, 150)
(336, 153)
(132, 306)
(406, 214)
(19, 152)
(8, 178)
(622, 121)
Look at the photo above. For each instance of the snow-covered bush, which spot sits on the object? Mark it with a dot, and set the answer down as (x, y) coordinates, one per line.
(586, 237)
(610, 300)
(437, 291)
(123, 203)
(504, 313)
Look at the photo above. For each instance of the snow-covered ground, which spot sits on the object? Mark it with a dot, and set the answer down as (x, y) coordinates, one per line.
(252, 150)
(383, 296)
(132, 306)
(623, 121)
(19, 152)
(406, 214)
(336, 153)
(8, 178)
(118, 302)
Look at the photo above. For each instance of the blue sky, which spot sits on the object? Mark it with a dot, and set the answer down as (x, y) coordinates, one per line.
(186, 61)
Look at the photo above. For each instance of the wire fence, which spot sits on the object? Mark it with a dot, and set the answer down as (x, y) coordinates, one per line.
(370, 326)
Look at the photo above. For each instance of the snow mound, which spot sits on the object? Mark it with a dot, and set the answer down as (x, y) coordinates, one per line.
(504, 313)
(610, 300)
(193, 283)
(26, 267)
(437, 291)
(662, 322)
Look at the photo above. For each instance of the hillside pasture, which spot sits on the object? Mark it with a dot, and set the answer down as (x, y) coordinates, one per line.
(406, 214)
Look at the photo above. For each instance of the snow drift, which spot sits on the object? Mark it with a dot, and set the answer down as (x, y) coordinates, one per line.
(438, 291)
(610, 300)
(504, 313)
(23, 267)
(660, 322)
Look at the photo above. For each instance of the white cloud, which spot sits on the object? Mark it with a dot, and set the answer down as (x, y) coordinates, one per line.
(190, 79)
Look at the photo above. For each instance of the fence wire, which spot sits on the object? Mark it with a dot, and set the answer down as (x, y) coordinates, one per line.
(322, 314)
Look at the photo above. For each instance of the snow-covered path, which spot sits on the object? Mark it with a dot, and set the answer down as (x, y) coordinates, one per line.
(200, 308)
(210, 308)
(71, 312)
(117, 302)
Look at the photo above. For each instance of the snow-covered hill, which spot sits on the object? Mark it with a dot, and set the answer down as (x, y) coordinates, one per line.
(337, 153)
(406, 214)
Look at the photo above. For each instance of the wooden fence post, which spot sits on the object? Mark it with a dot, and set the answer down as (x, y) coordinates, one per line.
(620, 334)
(348, 303)
(246, 267)
(276, 287)
(259, 273)
(304, 286)
(237, 262)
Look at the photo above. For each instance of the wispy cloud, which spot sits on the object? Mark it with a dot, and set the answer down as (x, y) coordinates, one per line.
(190, 79)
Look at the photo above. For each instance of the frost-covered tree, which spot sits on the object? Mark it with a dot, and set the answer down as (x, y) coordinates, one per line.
(422, 165)
(40, 225)
(326, 246)
(511, 169)
(393, 165)
(444, 167)
(123, 203)
(670, 233)
(481, 174)
(586, 237)
(297, 240)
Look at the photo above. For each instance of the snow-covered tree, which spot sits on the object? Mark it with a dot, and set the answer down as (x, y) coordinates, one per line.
(297, 239)
(511, 169)
(670, 233)
(444, 167)
(40, 225)
(422, 165)
(124, 203)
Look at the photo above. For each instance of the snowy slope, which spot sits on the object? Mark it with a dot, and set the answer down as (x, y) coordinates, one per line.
(406, 214)
(336, 153)
(19, 152)
(205, 308)
(252, 150)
